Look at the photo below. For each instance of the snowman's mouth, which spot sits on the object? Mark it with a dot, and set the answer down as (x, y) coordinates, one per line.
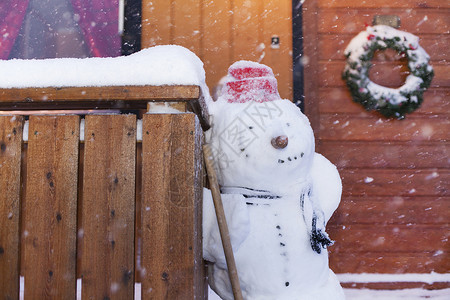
(291, 158)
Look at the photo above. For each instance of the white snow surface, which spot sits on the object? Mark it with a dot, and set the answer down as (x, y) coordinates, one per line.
(159, 65)
(350, 294)
(400, 294)
(366, 294)
(429, 278)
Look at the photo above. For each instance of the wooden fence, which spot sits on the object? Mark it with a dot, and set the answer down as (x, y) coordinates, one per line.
(108, 209)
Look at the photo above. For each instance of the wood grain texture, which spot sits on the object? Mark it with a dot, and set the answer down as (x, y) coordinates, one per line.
(387, 262)
(380, 155)
(334, 100)
(398, 182)
(10, 157)
(395, 174)
(353, 20)
(187, 19)
(276, 19)
(389, 239)
(99, 94)
(392, 210)
(247, 30)
(216, 41)
(157, 23)
(384, 3)
(222, 32)
(311, 64)
(50, 208)
(171, 207)
(108, 207)
(340, 127)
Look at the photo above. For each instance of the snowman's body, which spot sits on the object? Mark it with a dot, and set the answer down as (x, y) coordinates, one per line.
(275, 260)
(277, 199)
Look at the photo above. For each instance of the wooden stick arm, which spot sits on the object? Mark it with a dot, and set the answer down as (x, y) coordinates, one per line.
(221, 220)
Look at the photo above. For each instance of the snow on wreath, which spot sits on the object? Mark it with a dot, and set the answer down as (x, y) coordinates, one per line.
(388, 101)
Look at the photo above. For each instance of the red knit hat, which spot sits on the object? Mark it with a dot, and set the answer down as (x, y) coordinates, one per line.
(250, 81)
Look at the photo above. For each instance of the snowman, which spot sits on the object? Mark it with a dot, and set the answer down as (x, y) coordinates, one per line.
(277, 193)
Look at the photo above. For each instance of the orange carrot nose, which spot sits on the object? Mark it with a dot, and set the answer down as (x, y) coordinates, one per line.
(279, 142)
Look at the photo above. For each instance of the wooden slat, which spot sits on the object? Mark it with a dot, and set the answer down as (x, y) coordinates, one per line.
(403, 183)
(416, 21)
(10, 156)
(216, 50)
(108, 207)
(389, 262)
(392, 74)
(311, 64)
(277, 20)
(341, 127)
(187, 24)
(332, 46)
(407, 155)
(156, 22)
(99, 94)
(393, 238)
(380, 211)
(171, 207)
(50, 208)
(339, 100)
(247, 30)
(384, 3)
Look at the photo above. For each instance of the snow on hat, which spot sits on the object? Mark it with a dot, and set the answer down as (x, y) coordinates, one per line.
(250, 81)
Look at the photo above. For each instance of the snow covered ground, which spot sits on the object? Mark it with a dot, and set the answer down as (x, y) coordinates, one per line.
(405, 294)
(364, 294)
(351, 294)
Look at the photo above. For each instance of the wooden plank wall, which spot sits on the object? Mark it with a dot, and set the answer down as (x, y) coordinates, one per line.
(74, 209)
(222, 32)
(108, 207)
(171, 207)
(395, 209)
(49, 209)
(10, 157)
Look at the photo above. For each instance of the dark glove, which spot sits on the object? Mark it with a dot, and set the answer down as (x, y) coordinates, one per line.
(319, 238)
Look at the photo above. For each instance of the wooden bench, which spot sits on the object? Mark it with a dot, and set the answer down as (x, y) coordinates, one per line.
(109, 209)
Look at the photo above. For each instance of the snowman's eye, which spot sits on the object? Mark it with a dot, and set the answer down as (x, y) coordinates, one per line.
(288, 124)
(250, 127)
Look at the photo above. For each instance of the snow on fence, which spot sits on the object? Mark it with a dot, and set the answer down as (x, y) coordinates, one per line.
(110, 210)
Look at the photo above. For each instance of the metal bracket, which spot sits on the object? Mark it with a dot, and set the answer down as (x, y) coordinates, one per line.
(390, 20)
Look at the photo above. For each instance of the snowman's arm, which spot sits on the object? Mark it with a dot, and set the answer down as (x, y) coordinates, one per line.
(236, 215)
(326, 185)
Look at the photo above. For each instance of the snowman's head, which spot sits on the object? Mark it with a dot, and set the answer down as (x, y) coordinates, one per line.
(263, 145)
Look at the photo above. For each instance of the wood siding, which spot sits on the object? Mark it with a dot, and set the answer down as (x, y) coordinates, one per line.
(394, 213)
(10, 156)
(49, 210)
(222, 32)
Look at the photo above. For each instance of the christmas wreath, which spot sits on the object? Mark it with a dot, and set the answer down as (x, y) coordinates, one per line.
(391, 102)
